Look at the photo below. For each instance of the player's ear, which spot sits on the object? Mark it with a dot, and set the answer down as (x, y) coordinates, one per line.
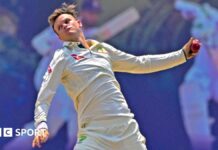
(79, 23)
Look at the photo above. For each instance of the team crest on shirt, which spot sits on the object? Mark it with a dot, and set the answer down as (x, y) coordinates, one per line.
(101, 49)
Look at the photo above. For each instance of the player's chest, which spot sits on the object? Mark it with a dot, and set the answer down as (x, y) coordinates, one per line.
(87, 61)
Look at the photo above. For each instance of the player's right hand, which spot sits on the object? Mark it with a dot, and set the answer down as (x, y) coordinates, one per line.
(187, 49)
(40, 138)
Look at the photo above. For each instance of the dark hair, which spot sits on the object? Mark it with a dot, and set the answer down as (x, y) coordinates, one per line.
(64, 9)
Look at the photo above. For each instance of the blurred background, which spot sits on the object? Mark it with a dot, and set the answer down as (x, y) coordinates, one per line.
(176, 109)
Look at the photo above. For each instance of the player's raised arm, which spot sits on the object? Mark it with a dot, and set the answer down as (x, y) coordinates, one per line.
(123, 62)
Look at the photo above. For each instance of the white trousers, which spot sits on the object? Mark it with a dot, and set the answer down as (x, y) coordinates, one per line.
(113, 134)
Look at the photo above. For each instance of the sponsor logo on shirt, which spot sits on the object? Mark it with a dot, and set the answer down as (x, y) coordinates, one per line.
(82, 138)
(49, 69)
(101, 49)
(77, 57)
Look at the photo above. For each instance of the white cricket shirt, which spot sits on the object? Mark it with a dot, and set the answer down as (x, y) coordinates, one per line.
(88, 77)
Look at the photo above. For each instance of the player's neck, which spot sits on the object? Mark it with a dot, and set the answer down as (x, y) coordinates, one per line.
(84, 42)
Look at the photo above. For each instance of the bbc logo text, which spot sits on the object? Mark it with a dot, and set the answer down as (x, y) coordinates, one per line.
(10, 132)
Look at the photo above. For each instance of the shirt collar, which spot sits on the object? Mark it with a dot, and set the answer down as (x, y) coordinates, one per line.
(71, 45)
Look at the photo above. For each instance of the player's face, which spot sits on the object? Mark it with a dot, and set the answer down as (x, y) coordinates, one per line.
(67, 27)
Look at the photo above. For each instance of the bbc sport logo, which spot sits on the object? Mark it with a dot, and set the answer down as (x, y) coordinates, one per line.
(9, 132)
(6, 132)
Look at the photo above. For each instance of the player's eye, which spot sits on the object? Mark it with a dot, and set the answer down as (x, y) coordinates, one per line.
(67, 21)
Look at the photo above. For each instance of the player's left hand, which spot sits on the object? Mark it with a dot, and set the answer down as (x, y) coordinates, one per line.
(40, 138)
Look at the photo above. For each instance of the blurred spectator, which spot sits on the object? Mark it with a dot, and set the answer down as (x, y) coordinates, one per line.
(201, 81)
(8, 22)
(90, 14)
(15, 72)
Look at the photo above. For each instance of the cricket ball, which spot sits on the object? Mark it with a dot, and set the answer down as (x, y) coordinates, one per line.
(195, 46)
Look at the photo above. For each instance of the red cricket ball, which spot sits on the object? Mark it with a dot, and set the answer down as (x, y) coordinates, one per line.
(195, 46)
